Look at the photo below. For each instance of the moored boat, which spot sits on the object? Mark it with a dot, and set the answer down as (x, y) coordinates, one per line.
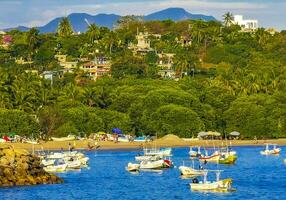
(158, 152)
(267, 151)
(189, 171)
(212, 158)
(133, 167)
(215, 186)
(56, 168)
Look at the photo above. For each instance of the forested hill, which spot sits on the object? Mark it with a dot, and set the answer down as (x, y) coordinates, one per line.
(226, 80)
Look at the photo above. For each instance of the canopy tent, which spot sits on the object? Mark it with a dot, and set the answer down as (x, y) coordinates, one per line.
(234, 133)
(209, 133)
(101, 133)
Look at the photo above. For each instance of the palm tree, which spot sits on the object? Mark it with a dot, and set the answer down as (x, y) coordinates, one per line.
(90, 96)
(92, 33)
(110, 40)
(32, 40)
(65, 28)
(228, 19)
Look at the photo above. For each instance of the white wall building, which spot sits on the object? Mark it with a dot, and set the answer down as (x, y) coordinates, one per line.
(246, 24)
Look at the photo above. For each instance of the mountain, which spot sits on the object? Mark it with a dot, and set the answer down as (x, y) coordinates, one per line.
(176, 14)
(80, 21)
(20, 28)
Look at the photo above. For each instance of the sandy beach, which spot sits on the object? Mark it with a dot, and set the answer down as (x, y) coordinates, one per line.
(169, 141)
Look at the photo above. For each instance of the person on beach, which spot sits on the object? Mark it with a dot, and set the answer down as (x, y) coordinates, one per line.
(70, 147)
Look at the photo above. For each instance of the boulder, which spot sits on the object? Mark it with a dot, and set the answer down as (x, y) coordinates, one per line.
(18, 167)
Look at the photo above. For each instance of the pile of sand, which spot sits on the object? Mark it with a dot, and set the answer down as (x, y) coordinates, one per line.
(170, 138)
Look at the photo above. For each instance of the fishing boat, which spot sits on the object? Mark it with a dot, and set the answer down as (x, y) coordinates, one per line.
(190, 170)
(133, 167)
(158, 164)
(227, 156)
(208, 186)
(212, 158)
(56, 168)
(47, 162)
(76, 164)
(157, 152)
(146, 158)
(267, 151)
(195, 153)
(230, 159)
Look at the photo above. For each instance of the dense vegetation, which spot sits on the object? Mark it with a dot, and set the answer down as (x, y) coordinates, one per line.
(229, 80)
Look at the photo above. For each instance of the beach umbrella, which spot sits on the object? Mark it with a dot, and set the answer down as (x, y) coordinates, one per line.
(202, 134)
(213, 133)
(117, 131)
(234, 133)
(101, 133)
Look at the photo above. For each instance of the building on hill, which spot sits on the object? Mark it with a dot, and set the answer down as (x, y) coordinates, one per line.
(22, 61)
(98, 68)
(68, 66)
(143, 45)
(245, 24)
(166, 65)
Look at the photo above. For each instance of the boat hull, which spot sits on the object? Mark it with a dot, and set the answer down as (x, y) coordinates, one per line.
(218, 186)
(189, 171)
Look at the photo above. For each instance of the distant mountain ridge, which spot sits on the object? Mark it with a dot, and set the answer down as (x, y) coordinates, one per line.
(79, 20)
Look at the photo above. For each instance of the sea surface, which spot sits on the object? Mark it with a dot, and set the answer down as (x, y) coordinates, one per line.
(255, 177)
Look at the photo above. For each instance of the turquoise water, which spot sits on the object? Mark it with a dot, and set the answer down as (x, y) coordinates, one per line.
(255, 177)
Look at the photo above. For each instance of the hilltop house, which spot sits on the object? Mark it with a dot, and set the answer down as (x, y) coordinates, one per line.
(98, 68)
(143, 45)
(68, 66)
(22, 61)
(246, 24)
(165, 65)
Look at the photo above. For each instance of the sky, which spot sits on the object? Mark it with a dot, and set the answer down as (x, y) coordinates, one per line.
(270, 13)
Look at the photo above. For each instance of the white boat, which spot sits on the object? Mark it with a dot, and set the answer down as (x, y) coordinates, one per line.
(212, 158)
(158, 164)
(68, 138)
(84, 161)
(216, 186)
(131, 167)
(46, 163)
(189, 171)
(146, 158)
(267, 151)
(56, 168)
(158, 152)
(194, 153)
(76, 164)
(56, 156)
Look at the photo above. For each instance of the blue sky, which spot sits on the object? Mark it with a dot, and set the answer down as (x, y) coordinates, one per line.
(270, 13)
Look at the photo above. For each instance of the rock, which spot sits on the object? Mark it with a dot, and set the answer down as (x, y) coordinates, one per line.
(18, 167)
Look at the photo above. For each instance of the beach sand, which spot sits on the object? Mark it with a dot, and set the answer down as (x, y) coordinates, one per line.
(167, 141)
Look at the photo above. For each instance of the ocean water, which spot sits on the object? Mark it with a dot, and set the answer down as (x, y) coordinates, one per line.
(255, 177)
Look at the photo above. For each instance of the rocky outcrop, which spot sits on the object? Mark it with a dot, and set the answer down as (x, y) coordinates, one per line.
(19, 167)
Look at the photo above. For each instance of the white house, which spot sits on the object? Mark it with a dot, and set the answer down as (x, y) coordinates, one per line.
(246, 24)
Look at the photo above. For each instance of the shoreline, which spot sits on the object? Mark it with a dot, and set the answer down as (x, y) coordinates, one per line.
(107, 145)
